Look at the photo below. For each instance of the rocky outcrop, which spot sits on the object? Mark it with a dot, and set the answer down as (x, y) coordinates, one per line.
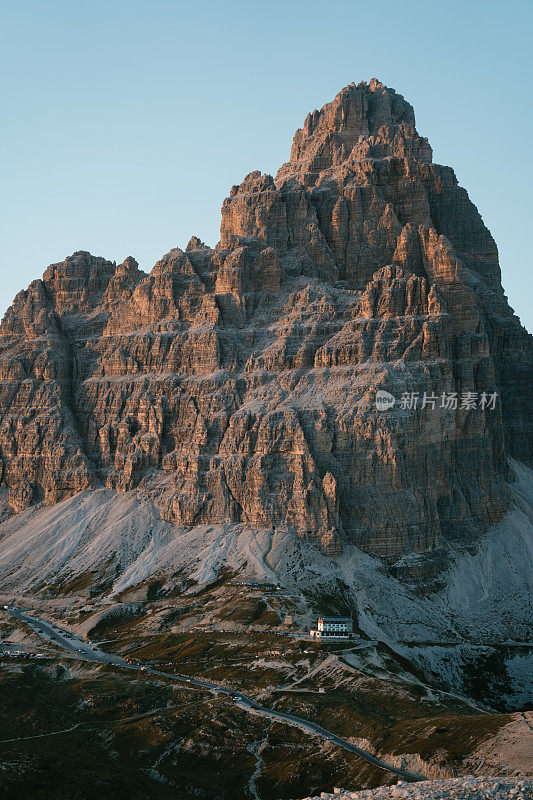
(469, 787)
(238, 384)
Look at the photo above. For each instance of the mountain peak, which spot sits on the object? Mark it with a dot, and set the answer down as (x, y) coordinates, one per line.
(239, 384)
(363, 120)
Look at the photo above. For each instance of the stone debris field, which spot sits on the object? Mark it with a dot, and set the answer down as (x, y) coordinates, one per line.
(465, 788)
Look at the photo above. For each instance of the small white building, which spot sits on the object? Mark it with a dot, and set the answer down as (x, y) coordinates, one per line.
(333, 628)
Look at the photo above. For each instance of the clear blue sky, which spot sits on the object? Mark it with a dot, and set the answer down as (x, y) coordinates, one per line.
(126, 123)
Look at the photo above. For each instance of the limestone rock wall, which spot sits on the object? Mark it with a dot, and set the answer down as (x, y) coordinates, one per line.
(238, 383)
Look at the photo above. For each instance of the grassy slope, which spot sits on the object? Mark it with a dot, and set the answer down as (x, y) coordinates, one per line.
(191, 744)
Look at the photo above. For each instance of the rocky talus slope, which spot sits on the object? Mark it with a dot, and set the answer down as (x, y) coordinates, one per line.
(238, 384)
(467, 788)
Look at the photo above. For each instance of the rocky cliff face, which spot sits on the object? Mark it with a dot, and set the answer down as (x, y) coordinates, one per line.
(238, 384)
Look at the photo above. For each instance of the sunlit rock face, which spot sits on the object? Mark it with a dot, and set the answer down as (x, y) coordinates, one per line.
(238, 384)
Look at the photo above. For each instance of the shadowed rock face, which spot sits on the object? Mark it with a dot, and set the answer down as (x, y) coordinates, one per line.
(238, 384)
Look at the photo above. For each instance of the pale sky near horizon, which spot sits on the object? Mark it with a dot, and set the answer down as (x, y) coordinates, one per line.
(126, 123)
